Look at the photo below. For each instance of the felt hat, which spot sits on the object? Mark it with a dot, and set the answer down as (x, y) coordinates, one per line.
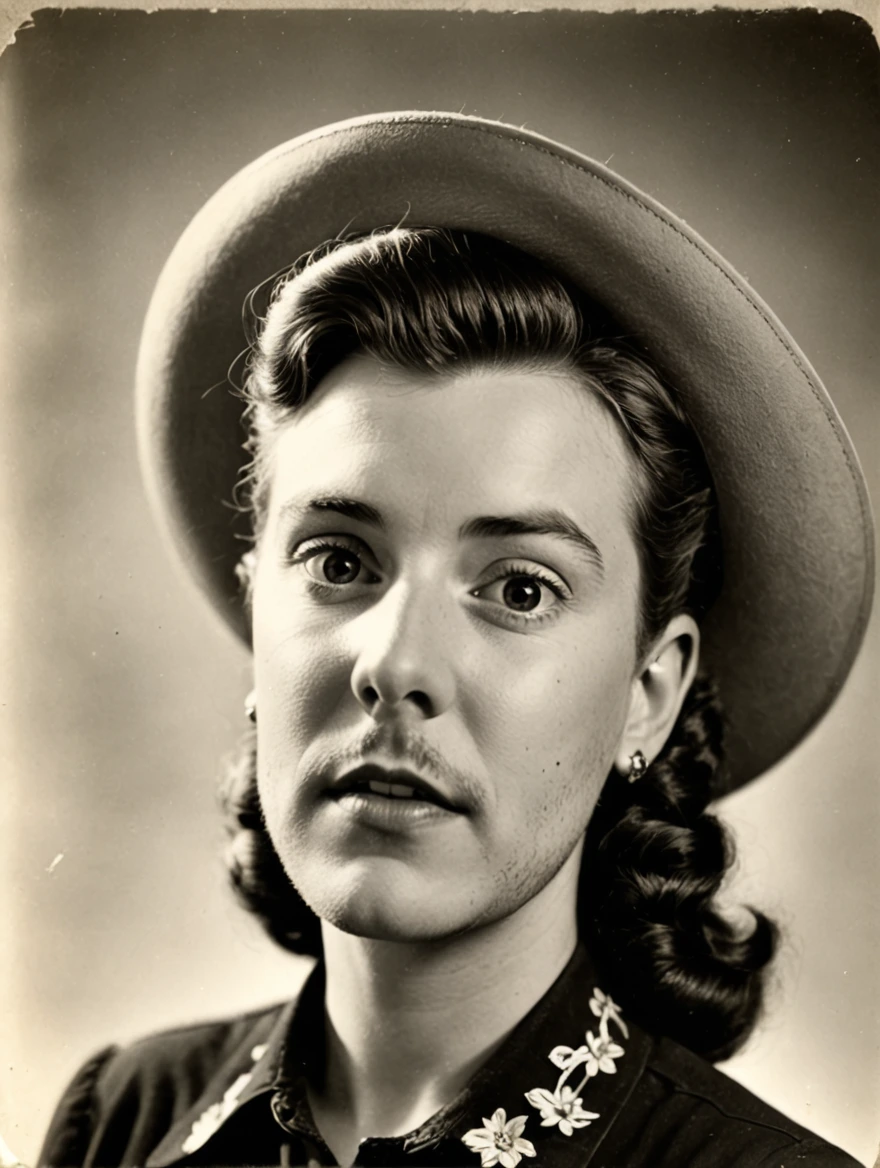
(795, 518)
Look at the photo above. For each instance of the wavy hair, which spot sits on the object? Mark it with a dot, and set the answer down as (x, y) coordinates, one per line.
(439, 300)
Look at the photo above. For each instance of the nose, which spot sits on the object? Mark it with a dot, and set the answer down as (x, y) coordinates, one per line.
(404, 659)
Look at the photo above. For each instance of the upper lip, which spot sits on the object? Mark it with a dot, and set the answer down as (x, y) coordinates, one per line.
(367, 771)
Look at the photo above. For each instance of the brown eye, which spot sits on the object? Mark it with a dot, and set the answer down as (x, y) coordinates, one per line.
(522, 593)
(335, 565)
(339, 566)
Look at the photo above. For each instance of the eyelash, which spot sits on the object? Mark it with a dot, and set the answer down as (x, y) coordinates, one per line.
(309, 549)
(512, 569)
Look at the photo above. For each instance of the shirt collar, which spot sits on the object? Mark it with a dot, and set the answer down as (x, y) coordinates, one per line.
(552, 1089)
(251, 1068)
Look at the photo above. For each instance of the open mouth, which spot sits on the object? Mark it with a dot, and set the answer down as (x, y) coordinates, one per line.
(398, 784)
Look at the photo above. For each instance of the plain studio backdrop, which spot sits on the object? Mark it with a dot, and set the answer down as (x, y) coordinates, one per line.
(121, 691)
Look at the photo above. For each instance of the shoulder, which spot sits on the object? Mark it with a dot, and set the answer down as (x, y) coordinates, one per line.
(181, 1060)
(123, 1099)
(188, 1055)
(703, 1117)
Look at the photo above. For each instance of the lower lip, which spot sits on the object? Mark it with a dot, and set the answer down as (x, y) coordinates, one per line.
(389, 814)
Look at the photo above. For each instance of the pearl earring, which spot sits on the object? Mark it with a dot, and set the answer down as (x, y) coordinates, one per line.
(638, 764)
(250, 707)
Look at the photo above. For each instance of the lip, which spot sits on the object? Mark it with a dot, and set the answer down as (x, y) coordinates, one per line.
(389, 815)
(352, 787)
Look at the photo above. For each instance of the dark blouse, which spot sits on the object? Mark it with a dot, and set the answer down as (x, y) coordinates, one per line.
(575, 1083)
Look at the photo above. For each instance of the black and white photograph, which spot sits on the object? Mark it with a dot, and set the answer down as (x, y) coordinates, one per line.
(439, 718)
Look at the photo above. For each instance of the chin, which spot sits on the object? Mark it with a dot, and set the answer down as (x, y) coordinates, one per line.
(389, 907)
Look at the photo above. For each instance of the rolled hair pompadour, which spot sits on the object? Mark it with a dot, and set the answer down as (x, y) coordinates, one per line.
(436, 300)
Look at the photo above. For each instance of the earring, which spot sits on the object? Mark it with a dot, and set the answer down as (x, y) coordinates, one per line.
(638, 764)
(250, 707)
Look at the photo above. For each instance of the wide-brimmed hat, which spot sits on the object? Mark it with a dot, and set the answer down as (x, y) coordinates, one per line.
(795, 518)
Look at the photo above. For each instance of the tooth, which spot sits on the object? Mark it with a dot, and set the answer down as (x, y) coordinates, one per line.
(379, 788)
(402, 791)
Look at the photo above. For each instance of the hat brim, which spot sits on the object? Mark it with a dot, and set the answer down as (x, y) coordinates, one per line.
(795, 518)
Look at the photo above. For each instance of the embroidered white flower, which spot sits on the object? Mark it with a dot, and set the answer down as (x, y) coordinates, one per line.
(604, 1007)
(500, 1141)
(567, 1058)
(563, 1106)
(598, 1055)
(212, 1117)
(560, 1107)
(602, 1053)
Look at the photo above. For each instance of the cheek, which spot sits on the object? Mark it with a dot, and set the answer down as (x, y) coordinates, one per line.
(301, 679)
(297, 683)
(567, 709)
(299, 668)
(553, 736)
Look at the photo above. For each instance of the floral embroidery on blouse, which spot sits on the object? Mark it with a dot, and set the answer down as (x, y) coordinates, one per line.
(501, 1142)
(212, 1117)
(561, 1107)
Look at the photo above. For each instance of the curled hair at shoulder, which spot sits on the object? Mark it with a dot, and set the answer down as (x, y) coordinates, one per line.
(255, 872)
(653, 864)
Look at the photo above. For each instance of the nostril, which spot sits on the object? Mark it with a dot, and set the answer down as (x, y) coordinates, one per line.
(420, 698)
(370, 698)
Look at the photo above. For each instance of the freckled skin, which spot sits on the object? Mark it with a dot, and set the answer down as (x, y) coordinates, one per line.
(526, 714)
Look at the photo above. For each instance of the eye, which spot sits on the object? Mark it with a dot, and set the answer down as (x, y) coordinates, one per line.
(524, 592)
(337, 566)
(334, 563)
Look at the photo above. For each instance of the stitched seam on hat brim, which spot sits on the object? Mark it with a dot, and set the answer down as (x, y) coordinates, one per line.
(857, 633)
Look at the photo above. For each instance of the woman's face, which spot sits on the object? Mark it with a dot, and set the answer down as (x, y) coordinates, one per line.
(445, 617)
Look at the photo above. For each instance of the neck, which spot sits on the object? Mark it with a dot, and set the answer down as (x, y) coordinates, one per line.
(409, 1023)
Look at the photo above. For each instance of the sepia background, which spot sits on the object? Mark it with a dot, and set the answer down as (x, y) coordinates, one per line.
(121, 692)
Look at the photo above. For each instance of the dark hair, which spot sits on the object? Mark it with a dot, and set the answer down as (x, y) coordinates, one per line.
(438, 300)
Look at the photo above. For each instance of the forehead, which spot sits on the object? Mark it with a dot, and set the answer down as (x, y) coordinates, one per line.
(424, 446)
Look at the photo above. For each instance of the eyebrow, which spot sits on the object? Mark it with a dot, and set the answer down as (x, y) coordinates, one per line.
(545, 522)
(542, 522)
(349, 508)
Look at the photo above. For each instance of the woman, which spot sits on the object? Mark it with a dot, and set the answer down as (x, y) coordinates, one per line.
(531, 524)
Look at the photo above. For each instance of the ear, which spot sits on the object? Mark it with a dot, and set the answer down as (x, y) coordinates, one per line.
(245, 570)
(244, 573)
(658, 691)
